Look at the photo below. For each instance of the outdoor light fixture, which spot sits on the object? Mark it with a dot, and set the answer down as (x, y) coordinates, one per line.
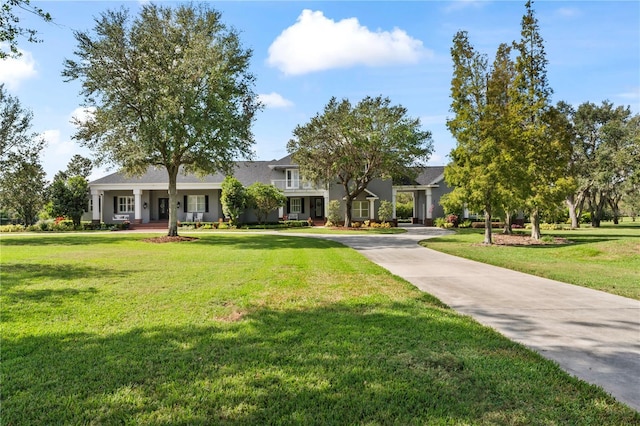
(178, 205)
(144, 205)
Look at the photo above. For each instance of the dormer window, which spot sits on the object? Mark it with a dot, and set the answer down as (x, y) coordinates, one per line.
(293, 178)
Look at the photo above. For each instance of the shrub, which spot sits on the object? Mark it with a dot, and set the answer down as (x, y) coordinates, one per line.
(404, 210)
(12, 228)
(333, 213)
(465, 224)
(356, 225)
(453, 220)
(385, 212)
(440, 221)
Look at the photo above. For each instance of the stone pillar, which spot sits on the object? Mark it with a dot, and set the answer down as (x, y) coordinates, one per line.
(137, 206)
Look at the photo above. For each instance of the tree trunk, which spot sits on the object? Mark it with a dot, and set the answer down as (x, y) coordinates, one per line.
(508, 221)
(535, 224)
(487, 226)
(575, 223)
(173, 199)
(347, 213)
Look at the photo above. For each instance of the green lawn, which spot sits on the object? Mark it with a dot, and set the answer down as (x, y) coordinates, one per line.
(254, 329)
(606, 258)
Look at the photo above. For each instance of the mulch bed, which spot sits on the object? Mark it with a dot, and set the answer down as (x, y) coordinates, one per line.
(168, 239)
(524, 240)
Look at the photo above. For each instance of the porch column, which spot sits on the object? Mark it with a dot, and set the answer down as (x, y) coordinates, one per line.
(326, 204)
(394, 194)
(372, 204)
(416, 212)
(95, 201)
(429, 203)
(137, 205)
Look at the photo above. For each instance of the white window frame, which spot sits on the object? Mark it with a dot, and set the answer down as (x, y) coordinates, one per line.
(292, 178)
(196, 203)
(295, 205)
(126, 204)
(360, 209)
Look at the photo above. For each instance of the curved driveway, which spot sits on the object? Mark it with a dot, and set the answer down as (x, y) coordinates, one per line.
(590, 334)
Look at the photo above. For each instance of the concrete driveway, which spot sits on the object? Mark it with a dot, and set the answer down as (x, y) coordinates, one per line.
(590, 334)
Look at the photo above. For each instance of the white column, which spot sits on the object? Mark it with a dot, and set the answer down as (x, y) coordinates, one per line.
(137, 205)
(95, 201)
(429, 204)
(394, 194)
(326, 203)
(372, 204)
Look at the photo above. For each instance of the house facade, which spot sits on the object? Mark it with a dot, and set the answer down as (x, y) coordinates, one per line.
(116, 197)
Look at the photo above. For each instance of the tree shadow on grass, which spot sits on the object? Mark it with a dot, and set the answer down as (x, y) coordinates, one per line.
(402, 363)
(14, 274)
(266, 242)
(70, 239)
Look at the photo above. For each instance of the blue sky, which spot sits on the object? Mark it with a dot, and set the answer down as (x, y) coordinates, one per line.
(306, 52)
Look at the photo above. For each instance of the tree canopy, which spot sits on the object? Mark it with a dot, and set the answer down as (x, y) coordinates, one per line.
(606, 157)
(355, 144)
(479, 170)
(169, 88)
(11, 30)
(22, 178)
(233, 198)
(264, 199)
(513, 147)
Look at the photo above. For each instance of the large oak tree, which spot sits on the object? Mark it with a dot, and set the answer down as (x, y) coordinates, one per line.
(170, 88)
(355, 144)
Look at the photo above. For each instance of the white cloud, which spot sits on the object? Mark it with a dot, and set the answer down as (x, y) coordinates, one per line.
(55, 145)
(82, 114)
(316, 43)
(13, 71)
(274, 100)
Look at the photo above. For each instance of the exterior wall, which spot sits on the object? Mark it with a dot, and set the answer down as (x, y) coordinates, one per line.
(381, 188)
(443, 188)
(214, 212)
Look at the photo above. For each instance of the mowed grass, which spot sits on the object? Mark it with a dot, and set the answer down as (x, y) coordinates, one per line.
(606, 258)
(254, 329)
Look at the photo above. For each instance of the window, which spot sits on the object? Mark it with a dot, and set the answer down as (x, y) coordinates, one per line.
(293, 178)
(295, 205)
(360, 209)
(196, 203)
(125, 204)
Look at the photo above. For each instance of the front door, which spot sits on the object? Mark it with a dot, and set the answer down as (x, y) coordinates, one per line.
(163, 209)
(318, 208)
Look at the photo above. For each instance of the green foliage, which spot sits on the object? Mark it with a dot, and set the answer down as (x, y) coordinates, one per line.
(170, 88)
(606, 157)
(22, 187)
(10, 29)
(334, 215)
(404, 210)
(70, 197)
(354, 144)
(385, 211)
(22, 178)
(233, 199)
(264, 199)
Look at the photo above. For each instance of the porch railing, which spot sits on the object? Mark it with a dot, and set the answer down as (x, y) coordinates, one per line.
(292, 185)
